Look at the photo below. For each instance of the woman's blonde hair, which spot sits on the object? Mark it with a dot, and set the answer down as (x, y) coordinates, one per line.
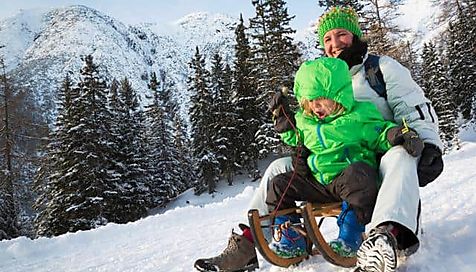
(336, 109)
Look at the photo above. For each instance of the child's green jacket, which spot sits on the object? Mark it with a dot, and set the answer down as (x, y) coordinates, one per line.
(356, 135)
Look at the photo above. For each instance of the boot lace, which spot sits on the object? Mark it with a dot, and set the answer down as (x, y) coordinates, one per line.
(232, 244)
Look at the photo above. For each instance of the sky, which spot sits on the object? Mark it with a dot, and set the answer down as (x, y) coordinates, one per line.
(166, 11)
(195, 227)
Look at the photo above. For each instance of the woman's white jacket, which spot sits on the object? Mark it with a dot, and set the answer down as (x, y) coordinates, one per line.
(405, 99)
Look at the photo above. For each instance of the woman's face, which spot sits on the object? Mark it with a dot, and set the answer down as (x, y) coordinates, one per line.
(336, 40)
(322, 107)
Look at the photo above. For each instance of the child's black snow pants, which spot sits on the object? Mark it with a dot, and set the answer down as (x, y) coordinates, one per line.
(357, 185)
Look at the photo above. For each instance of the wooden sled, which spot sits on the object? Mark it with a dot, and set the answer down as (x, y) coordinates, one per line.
(317, 245)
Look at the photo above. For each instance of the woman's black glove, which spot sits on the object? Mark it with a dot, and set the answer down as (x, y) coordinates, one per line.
(300, 161)
(430, 165)
(283, 116)
(408, 138)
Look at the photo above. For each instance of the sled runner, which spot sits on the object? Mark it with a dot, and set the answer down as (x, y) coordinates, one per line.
(317, 245)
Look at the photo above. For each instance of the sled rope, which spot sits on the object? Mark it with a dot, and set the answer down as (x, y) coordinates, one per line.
(280, 228)
(282, 231)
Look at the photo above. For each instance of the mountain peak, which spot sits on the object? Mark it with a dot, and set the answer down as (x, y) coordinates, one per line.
(44, 50)
(206, 22)
(79, 13)
(202, 16)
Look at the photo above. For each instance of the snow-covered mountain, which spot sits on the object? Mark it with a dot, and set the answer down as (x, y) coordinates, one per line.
(42, 47)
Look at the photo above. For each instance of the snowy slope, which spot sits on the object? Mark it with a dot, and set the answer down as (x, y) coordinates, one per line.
(172, 240)
(16, 34)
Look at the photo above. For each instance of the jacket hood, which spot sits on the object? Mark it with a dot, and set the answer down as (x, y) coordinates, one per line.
(325, 78)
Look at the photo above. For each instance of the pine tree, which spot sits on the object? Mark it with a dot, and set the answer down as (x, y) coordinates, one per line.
(244, 100)
(49, 179)
(165, 120)
(221, 114)
(224, 113)
(436, 86)
(82, 192)
(274, 56)
(200, 118)
(217, 88)
(275, 60)
(127, 170)
(179, 164)
(8, 208)
(409, 59)
(22, 132)
(355, 4)
(183, 148)
(97, 199)
(450, 9)
(460, 58)
(381, 30)
(156, 133)
(166, 165)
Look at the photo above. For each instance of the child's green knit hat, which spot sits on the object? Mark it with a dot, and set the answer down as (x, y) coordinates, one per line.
(338, 17)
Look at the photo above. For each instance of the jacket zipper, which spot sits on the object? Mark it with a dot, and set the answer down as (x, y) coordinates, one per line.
(319, 135)
(321, 140)
(347, 155)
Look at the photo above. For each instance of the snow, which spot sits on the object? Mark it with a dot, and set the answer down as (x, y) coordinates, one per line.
(415, 14)
(19, 31)
(192, 227)
(421, 18)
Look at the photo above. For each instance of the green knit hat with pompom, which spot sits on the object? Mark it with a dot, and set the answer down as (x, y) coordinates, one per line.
(338, 17)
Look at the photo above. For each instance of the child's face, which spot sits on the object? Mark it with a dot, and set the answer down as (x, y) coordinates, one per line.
(322, 107)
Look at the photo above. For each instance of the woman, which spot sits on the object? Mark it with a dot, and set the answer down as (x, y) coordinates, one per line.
(395, 219)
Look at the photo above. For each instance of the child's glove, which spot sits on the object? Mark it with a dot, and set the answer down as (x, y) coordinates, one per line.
(276, 103)
(406, 137)
(282, 115)
(430, 165)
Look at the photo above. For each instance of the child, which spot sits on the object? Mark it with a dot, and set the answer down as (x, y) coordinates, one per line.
(343, 137)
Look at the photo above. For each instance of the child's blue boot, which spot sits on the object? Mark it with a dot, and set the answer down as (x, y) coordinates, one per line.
(287, 242)
(350, 233)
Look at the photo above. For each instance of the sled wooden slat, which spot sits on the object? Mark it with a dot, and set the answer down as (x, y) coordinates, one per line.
(278, 213)
(324, 210)
(319, 210)
(309, 212)
(313, 235)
